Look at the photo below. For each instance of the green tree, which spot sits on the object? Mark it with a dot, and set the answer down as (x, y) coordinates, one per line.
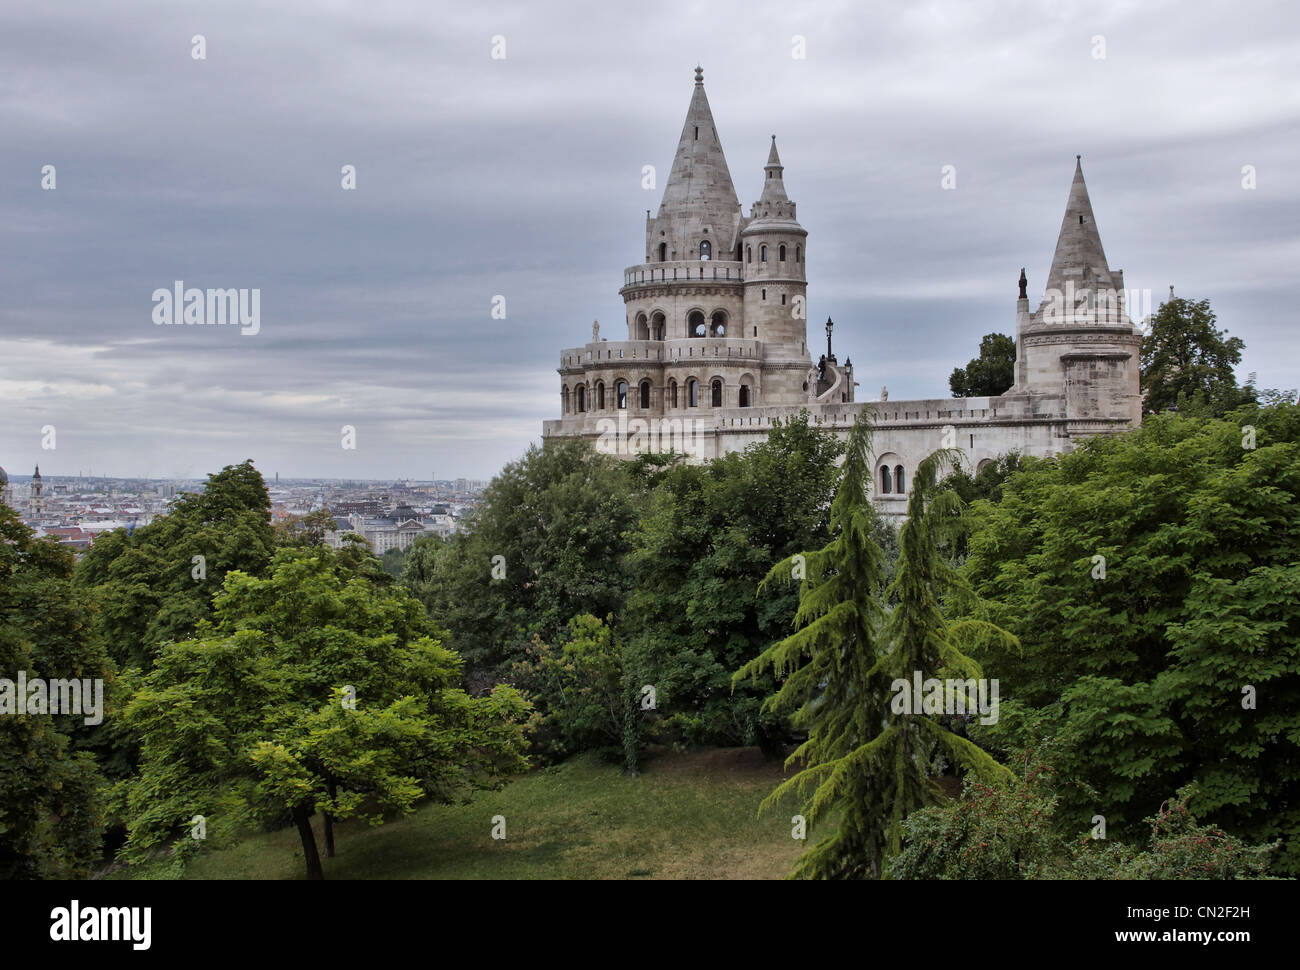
(51, 814)
(1154, 581)
(1007, 832)
(709, 536)
(394, 561)
(157, 583)
(305, 530)
(577, 688)
(991, 373)
(865, 759)
(314, 690)
(547, 543)
(1187, 362)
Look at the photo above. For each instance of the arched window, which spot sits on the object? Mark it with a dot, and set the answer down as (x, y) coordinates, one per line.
(885, 480)
(564, 401)
(798, 254)
(739, 247)
(663, 252)
(715, 393)
(898, 480)
(645, 395)
(762, 254)
(600, 395)
(719, 324)
(780, 253)
(692, 393)
(642, 327)
(582, 399)
(672, 393)
(744, 396)
(749, 254)
(620, 395)
(696, 328)
(657, 327)
(706, 249)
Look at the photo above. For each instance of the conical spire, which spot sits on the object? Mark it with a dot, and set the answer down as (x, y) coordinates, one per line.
(699, 182)
(1079, 255)
(773, 186)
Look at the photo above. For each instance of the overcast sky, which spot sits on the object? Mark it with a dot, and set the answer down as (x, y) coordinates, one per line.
(522, 177)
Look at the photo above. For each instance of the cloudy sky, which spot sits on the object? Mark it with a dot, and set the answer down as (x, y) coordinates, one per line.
(522, 177)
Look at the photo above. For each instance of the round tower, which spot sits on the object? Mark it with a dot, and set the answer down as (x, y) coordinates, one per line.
(774, 247)
(690, 282)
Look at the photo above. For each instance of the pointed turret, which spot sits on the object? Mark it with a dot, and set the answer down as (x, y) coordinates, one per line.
(1078, 354)
(699, 194)
(1079, 255)
(773, 186)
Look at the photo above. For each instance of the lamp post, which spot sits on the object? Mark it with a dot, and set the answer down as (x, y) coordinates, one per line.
(830, 324)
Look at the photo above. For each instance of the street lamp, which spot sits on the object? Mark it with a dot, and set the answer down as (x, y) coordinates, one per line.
(829, 326)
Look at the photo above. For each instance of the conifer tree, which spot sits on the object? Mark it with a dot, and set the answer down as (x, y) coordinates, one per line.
(862, 761)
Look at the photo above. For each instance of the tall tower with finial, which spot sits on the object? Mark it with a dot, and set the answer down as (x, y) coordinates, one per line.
(1078, 353)
(35, 502)
(776, 287)
(691, 242)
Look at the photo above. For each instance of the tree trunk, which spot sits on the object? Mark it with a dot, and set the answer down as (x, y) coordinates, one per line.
(631, 730)
(303, 820)
(329, 824)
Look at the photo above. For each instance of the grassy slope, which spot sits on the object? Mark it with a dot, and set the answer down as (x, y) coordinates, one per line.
(687, 816)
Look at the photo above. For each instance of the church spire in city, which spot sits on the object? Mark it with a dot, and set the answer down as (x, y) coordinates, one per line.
(1079, 255)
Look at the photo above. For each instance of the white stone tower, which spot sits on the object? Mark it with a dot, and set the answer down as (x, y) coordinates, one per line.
(1078, 354)
(776, 288)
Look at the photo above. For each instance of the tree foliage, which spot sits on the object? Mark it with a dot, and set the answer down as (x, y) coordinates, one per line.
(709, 536)
(1154, 581)
(554, 524)
(864, 761)
(145, 582)
(1187, 362)
(991, 373)
(576, 686)
(50, 809)
(313, 690)
(1007, 832)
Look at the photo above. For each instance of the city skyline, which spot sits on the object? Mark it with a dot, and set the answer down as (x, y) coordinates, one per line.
(523, 175)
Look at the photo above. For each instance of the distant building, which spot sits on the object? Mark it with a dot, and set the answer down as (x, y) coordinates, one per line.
(36, 494)
(382, 534)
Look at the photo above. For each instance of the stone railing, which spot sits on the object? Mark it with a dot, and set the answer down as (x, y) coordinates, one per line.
(669, 351)
(684, 271)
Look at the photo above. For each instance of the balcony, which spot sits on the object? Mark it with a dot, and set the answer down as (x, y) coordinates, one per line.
(684, 271)
(683, 351)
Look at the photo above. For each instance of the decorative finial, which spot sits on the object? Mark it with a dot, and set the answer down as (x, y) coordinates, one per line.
(1024, 283)
(699, 74)
(1078, 158)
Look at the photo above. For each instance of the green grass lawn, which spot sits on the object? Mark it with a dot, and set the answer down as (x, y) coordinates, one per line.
(687, 816)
